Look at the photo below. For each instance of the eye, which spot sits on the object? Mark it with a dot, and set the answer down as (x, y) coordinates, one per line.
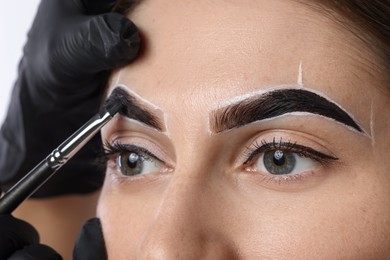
(280, 162)
(134, 163)
(131, 160)
(284, 158)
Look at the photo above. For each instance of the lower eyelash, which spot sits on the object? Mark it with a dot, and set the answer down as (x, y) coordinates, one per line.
(285, 179)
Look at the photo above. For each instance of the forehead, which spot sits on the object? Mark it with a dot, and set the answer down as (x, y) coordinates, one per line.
(199, 53)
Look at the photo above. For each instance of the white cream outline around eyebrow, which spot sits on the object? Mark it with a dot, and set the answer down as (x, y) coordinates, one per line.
(239, 99)
(144, 101)
(300, 76)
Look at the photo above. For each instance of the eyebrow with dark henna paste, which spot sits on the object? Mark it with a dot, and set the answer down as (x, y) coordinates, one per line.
(276, 103)
(133, 109)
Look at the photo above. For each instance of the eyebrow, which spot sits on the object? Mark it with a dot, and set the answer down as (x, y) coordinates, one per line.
(277, 103)
(132, 109)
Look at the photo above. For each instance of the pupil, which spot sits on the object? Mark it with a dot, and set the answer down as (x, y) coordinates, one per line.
(279, 158)
(279, 162)
(133, 159)
(130, 163)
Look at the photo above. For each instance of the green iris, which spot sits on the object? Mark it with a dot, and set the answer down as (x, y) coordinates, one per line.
(279, 162)
(131, 163)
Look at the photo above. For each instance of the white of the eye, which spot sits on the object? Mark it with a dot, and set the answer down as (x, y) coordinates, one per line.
(302, 164)
(151, 165)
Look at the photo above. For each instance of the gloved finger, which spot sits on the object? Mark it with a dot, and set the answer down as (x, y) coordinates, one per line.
(98, 44)
(90, 243)
(36, 252)
(15, 234)
(93, 7)
(89, 7)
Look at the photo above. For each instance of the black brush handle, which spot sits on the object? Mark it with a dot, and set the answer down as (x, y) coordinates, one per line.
(46, 168)
(26, 187)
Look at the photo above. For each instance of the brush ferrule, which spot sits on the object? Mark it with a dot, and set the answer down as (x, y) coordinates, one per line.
(76, 141)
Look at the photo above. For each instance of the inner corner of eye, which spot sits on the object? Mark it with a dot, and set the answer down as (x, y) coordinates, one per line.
(167, 169)
(249, 167)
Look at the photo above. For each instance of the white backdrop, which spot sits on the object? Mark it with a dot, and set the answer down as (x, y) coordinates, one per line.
(15, 21)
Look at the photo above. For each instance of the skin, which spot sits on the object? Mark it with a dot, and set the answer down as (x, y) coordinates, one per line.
(202, 202)
(56, 219)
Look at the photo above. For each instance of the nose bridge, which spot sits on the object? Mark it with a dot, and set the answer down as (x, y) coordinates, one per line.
(185, 226)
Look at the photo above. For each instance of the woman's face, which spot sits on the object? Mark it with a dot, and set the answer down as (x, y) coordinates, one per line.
(267, 138)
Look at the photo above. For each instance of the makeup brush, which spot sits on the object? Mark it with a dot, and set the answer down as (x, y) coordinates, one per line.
(46, 168)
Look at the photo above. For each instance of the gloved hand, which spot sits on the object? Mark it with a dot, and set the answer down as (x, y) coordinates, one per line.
(90, 243)
(71, 48)
(19, 240)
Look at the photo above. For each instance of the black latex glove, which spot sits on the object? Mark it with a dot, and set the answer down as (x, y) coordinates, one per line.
(71, 48)
(19, 240)
(90, 243)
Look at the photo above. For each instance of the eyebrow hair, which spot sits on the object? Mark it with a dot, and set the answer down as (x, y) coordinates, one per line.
(132, 109)
(277, 103)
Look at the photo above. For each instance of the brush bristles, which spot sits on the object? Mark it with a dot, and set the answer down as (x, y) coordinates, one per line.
(113, 107)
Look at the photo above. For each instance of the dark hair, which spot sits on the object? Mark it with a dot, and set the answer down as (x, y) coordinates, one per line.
(369, 20)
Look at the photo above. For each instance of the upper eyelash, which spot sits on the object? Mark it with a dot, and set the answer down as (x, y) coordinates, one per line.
(251, 152)
(117, 148)
(289, 146)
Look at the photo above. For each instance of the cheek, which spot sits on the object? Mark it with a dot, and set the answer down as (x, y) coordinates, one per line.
(346, 219)
(349, 221)
(124, 220)
(359, 221)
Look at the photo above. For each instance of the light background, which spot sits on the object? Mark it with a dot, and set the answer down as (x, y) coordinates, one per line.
(15, 21)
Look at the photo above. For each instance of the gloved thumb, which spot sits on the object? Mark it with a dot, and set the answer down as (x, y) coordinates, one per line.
(90, 243)
(14, 235)
(36, 252)
(20, 241)
(99, 43)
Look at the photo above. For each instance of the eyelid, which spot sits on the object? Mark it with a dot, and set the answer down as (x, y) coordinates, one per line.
(128, 131)
(146, 144)
(118, 148)
(114, 155)
(294, 181)
(306, 151)
(289, 138)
